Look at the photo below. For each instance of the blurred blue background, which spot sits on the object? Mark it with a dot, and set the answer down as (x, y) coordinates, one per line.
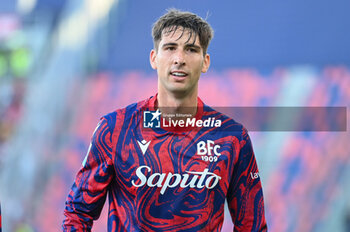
(65, 63)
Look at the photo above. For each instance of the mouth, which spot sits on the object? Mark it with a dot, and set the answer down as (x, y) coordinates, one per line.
(178, 75)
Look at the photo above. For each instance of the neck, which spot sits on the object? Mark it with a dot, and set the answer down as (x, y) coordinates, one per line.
(170, 103)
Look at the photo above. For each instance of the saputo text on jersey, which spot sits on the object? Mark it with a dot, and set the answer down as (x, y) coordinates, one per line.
(170, 180)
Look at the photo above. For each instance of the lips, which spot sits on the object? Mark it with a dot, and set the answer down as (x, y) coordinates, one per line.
(178, 75)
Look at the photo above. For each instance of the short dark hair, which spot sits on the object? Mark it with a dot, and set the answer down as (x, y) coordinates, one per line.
(174, 19)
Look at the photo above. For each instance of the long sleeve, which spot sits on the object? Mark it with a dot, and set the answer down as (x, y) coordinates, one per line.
(88, 193)
(245, 196)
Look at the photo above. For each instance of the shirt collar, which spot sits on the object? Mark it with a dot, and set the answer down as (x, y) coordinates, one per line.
(152, 103)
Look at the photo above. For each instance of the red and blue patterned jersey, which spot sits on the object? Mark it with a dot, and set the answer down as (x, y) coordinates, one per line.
(167, 179)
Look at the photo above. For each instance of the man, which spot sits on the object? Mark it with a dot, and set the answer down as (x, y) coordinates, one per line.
(169, 162)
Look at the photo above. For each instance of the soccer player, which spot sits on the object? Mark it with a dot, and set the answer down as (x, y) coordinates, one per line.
(169, 162)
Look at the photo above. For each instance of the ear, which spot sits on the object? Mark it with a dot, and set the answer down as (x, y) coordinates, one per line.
(152, 59)
(206, 63)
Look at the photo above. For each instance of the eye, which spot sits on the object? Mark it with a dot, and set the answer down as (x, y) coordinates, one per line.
(170, 48)
(192, 50)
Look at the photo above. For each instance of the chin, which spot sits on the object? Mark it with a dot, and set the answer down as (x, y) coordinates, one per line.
(180, 88)
(180, 91)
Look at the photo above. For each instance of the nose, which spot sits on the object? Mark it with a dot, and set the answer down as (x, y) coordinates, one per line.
(179, 58)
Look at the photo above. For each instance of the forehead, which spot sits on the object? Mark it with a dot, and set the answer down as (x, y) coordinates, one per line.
(179, 34)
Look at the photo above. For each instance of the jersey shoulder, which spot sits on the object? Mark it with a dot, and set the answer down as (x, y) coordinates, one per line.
(127, 114)
(228, 124)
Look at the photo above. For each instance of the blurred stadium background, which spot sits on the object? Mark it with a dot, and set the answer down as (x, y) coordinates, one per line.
(63, 64)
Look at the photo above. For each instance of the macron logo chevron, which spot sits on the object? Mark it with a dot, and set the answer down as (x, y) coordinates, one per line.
(143, 145)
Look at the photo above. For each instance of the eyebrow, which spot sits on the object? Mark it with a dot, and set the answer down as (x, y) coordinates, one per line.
(193, 46)
(169, 44)
(186, 45)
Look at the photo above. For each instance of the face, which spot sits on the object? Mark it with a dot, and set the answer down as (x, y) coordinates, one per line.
(179, 62)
